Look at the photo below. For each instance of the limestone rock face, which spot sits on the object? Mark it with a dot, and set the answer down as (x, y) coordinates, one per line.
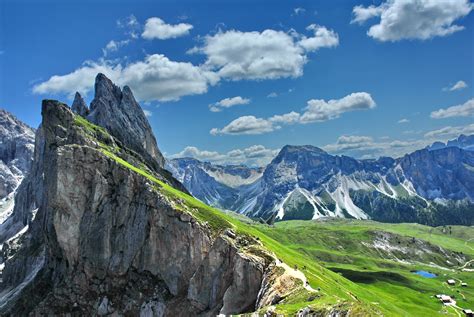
(79, 106)
(16, 152)
(118, 112)
(105, 241)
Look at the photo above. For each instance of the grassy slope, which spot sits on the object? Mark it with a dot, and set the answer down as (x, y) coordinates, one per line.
(302, 243)
(402, 292)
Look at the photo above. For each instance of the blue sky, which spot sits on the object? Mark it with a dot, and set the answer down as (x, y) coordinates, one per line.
(362, 78)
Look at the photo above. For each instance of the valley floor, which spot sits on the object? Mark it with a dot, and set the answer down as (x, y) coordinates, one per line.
(370, 266)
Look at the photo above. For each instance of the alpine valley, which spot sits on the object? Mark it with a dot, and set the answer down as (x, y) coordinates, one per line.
(95, 221)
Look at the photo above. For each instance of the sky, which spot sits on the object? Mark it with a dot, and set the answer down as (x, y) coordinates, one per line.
(234, 81)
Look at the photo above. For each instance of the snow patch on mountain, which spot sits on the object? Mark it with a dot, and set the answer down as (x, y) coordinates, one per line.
(231, 180)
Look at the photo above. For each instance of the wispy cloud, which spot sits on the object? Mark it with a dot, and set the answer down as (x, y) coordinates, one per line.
(457, 86)
(298, 11)
(113, 46)
(464, 110)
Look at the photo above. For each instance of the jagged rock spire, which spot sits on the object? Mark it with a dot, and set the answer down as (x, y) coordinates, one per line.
(79, 106)
(119, 112)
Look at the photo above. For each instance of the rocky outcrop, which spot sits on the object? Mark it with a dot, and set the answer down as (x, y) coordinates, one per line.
(117, 111)
(16, 152)
(107, 240)
(79, 105)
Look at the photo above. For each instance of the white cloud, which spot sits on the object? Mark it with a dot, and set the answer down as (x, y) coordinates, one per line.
(298, 11)
(129, 22)
(113, 46)
(322, 38)
(269, 54)
(156, 28)
(367, 147)
(316, 111)
(245, 125)
(464, 110)
(413, 19)
(404, 120)
(349, 142)
(287, 118)
(272, 95)
(131, 26)
(228, 102)
(148, 113)
(255, 155)
(321, 110)
(154, 78)
(450, 132)
(457, 86)
(362, 14)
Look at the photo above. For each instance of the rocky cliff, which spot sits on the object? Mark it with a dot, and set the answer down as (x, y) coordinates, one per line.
(111, 235)
(16, 152)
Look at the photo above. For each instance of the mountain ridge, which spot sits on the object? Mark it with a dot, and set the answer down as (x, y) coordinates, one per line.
(418, 183)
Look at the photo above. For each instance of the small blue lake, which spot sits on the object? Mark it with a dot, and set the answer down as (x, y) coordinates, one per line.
(425, 274)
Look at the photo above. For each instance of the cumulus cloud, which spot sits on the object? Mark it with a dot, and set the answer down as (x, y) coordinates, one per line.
(148, 113)
(404, 120)
(272, 95)
(322, 38)
(245, 125)
(320, 110)
(362, 14)
(457, 86)
(156, 28)
(154, 78)
(317, 110)
(464, 110)
(269, 54)
(255, 155)
(413, 19)
(228, 102)
(287, 118)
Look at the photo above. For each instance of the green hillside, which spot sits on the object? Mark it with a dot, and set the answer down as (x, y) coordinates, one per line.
(362, 267)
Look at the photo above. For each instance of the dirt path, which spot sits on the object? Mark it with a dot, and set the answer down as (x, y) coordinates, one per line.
(296, 274)
(463, 267)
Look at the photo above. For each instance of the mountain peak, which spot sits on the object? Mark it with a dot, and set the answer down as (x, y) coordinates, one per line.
(79, 106)
(119, 112)
(290, 149)
(105, 88)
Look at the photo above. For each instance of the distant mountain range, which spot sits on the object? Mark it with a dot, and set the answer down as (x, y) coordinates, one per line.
(433, 186)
